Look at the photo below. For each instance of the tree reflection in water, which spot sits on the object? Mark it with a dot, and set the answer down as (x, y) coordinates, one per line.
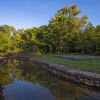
(1, 93)
(33, 73)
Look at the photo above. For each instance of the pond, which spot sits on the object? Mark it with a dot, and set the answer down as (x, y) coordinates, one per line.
(25, 80)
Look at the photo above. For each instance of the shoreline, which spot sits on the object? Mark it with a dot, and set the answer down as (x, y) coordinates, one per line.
(87, 78)
(4, 59)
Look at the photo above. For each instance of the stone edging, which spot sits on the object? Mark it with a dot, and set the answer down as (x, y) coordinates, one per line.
(75, 75)
(62, 71)
(4, 59)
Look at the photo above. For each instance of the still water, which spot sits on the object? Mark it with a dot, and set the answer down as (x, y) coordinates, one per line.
(24, 80)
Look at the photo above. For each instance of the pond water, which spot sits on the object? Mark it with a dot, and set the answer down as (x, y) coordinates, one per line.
(24, 80)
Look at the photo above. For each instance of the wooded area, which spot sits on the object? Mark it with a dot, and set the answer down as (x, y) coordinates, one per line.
(66, 33)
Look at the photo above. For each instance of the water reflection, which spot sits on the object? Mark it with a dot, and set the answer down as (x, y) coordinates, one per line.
(24, 80)
(1, 93)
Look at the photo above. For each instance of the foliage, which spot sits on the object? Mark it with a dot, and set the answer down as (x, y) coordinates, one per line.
(5, 38)
(18, 72)
(65, 33)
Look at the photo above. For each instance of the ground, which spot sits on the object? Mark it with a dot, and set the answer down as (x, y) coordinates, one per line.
(86, 63)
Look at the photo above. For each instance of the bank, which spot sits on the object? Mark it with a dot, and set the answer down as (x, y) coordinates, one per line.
(64, 72)
(4, 59)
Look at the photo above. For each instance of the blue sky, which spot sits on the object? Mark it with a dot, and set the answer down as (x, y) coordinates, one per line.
(30, 13)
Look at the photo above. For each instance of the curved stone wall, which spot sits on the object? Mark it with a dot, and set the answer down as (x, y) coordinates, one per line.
(87, 78)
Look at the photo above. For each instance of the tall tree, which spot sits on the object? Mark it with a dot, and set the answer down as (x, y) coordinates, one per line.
(5, 38)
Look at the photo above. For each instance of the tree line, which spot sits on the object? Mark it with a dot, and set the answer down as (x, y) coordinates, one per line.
(65, 33)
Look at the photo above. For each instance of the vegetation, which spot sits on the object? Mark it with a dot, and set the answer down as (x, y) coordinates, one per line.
(91, 65)
(60, 89)
(65, 33)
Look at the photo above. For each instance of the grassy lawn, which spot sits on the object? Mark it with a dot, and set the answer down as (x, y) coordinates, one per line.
(92, 65)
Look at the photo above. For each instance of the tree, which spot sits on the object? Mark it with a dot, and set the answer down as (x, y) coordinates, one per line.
(97, 39)
(67, 24)
(65, 33)
(5, 38)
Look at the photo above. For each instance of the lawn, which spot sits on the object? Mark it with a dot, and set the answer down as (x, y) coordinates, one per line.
(92, 65)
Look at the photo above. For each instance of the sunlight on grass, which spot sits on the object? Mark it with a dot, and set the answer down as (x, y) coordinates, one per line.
(92, 65)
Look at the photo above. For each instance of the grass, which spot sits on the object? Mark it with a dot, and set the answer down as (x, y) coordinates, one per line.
(92, 65)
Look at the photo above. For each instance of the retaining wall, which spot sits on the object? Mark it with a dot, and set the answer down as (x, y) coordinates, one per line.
(87, 78)
(62, 71)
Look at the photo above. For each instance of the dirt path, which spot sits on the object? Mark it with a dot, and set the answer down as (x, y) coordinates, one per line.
(78, 57)
(62, 71)
(67, 73)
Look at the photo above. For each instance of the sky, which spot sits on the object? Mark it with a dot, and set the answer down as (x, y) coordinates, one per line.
(33, 13)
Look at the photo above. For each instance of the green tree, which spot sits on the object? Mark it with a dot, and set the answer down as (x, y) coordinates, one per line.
(5, 38)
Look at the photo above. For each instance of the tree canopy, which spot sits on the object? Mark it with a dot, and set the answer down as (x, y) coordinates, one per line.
(65, 33)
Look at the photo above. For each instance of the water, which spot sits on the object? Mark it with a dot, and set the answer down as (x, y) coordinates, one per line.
(24, 80)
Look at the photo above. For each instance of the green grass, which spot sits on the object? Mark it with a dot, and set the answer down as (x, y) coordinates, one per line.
(92, 65)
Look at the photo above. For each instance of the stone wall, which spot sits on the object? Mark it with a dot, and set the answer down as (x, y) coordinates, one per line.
(87, 78)
(62, 71)
(4, 59)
